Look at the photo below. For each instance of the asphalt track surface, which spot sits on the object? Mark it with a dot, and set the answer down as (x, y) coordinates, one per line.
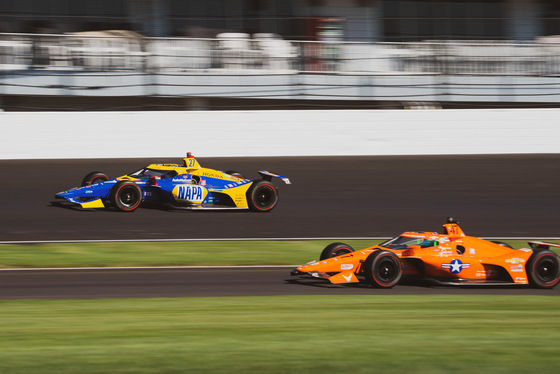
(216, 282)
(334, 197)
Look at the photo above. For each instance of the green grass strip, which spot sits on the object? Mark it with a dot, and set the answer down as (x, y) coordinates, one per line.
(115, 254)
(162, 253)
(302, 334)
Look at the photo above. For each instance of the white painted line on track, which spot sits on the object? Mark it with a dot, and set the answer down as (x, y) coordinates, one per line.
(237, 240)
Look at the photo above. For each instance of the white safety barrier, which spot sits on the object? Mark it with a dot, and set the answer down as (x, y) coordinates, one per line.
(53, 135)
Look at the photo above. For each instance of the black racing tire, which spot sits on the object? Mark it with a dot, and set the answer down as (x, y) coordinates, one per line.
(383, 269)
(262, 196)
(543, 269)
(235, 174)
(93, 178)
(501, 243)
(126, 196)
(335, 249)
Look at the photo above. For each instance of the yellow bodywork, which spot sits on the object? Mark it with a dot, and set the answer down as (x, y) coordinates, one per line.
(191, 166)
(237, 194)
(98, 203)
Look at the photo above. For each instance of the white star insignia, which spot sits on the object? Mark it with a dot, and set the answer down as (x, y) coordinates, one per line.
(455, 266)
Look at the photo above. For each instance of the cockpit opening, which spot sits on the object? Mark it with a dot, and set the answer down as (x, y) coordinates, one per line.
(403, 242)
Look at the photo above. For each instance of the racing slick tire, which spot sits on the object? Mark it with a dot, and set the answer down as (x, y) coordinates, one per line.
(335, 249)
(501, 243)
(383, 269)
(262, 196)
(126, 196)
(235, 174)
(94, 177)
(543, 269)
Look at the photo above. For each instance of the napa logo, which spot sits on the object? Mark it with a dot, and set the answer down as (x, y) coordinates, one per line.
(190, 193)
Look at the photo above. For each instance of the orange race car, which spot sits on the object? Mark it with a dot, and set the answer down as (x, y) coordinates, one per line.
(450, 258)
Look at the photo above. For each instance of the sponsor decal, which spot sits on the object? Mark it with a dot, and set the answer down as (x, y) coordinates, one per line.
(520, 280)
(516, 268)
(347, 277)
(515, 260)
(455, 266)
(443, 251)
(472, 251)
(487, 273)
(346, 267)
(182, 180)
(211, 175)
(192, 193)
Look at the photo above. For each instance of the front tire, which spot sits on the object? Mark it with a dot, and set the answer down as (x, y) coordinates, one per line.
(94, 177)
(543, 269)
(126, 196)
(262, 196)
(383, 269)
(335, 249)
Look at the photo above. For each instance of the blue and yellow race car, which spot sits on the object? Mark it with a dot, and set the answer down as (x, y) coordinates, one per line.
(188, 185)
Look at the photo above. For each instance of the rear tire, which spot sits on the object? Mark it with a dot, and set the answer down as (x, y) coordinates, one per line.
(543, 269)
(383, 269)
(501, 243)
(94, 177)
(126, 196)
(335, 249)
(235, 174)
(262, 196)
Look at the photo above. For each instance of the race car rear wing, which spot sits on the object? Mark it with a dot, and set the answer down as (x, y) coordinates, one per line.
(268, 176)
(543, 245)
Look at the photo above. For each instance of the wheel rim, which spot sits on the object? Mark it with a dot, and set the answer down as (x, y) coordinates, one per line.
(547, 269)
(265, 197)
(128, 197)
(387, 270)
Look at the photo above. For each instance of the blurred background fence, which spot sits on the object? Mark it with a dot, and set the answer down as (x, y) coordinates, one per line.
(265, 66)
(126, 50)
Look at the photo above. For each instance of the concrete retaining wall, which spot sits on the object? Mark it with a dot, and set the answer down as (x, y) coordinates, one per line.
(52, 135)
